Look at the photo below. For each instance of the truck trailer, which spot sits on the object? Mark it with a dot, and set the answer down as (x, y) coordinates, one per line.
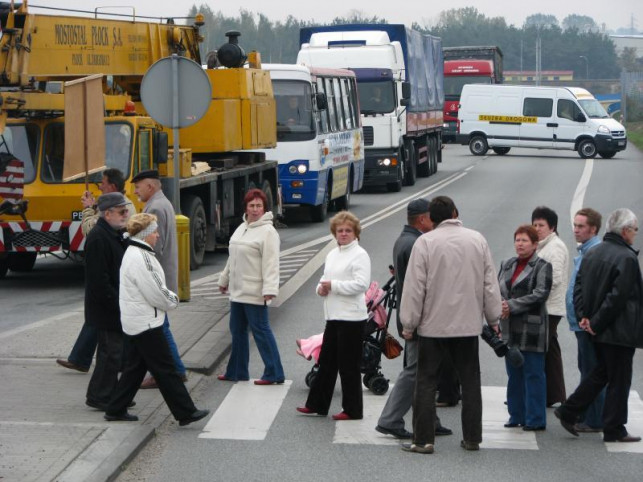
(400, 83)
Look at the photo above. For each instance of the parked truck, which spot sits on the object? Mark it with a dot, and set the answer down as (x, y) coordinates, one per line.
(41, 213)
(466, 65)
(400, 83)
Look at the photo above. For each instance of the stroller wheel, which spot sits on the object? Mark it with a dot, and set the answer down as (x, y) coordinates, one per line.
(379, 385)
(311, 375)
(366, 379)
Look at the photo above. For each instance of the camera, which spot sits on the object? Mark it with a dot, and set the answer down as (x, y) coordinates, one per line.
(501, 347)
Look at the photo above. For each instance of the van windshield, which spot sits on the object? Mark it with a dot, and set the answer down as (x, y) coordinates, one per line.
(593, 109)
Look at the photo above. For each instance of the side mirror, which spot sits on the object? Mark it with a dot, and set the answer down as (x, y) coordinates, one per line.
(406, 91)
(160, 147)
(321, 101)
(405, 102)
(580, 117)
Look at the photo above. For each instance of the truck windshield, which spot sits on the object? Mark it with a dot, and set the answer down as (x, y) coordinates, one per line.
(21, 141)
(593, 109)
(453, 85)
(376, 97)
(294, 110)
(118, 146)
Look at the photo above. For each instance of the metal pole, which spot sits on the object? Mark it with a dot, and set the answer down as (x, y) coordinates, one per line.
(175, 127)
(586, 65)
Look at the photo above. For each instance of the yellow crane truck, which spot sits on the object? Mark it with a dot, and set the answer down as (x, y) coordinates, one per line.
(39, 212)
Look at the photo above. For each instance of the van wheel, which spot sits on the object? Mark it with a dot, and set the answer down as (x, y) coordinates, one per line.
(192, 207)
(478, 146)
(607, 155)
(587, 149)
(501, 151)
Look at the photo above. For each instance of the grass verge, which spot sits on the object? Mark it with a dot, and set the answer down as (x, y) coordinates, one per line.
(635, 134)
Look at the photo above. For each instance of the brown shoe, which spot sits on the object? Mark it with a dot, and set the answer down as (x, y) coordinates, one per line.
(627, 438)
(469, 445)
(71, 366)
(149, 383)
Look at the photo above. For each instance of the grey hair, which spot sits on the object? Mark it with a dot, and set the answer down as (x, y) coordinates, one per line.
(620, 219)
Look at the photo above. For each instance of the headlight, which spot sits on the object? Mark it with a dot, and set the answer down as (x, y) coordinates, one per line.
(604, 130)
(384, 162)
(292, 169)
(302, 168)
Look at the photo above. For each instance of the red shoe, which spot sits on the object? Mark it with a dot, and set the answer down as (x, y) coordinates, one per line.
(306, 411)
(342, 416)
(223, 378)
(268, 382)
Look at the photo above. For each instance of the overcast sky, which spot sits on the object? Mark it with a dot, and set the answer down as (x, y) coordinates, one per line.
(613, 15)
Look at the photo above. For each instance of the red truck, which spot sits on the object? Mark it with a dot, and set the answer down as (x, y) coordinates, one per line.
(466, 65)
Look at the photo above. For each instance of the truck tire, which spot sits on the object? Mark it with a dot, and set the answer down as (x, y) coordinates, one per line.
(501, 151)
(21, 262)
(4, 266)
(587, 149)
(434, 159)
(192, 207)
(410, 175)
(424, 169)
(318, 213)
(607, 155)
(478, 145)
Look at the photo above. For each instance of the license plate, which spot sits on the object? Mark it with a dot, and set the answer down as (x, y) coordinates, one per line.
(76, 215)
(621, 143)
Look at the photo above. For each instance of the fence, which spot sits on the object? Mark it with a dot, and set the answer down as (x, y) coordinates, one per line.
(632, 94)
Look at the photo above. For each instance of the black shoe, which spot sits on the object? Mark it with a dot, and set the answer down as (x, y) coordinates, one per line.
(569, 426)
(103, 407)
(125, 417)
(512, 425)
(195, 417)
(72, 366)
(626, 438)
(440, 430)
(399, 433)
(532, 428)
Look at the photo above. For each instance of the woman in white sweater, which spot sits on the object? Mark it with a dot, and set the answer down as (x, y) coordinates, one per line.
(552, 249)
(144, 300)
(251, 276)
(347, 275)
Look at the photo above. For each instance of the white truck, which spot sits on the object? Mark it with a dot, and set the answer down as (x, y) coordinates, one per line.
(400, 81)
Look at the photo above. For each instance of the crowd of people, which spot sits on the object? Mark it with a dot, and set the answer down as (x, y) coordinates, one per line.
(447, 288)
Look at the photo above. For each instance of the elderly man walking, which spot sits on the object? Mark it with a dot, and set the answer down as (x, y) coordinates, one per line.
(607, 299)
(450, 284)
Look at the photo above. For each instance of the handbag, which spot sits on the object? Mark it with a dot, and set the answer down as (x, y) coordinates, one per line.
(391, 347)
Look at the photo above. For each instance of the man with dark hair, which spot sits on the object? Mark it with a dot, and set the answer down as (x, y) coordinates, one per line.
(607, 299)
(391, 421)
(80, 357)
(587, 224)
(450, 285)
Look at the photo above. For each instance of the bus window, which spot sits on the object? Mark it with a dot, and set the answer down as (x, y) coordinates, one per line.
(338, 99)
(352, 85)
(348, 115)
(328, 84)
(323, 114)
(21, 141)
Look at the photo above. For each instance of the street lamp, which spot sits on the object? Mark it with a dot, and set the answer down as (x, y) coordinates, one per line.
(586, 66)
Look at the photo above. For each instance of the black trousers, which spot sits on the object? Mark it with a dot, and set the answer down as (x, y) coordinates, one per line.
(614, 370)
(341, 351)
(448, 383)
(149, 351)
(109, 357)
(463, 351)
(554, 365)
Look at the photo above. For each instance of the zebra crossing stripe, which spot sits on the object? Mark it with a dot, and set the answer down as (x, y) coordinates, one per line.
(494, 416)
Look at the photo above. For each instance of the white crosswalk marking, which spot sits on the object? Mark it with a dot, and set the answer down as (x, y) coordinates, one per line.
(634, 426)
(247, 412)
(494, 416)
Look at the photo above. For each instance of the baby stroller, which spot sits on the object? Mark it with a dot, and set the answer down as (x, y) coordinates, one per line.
(380, 303)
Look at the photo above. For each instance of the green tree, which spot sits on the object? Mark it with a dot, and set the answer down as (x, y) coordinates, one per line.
(628, 60)
(541, 20)
(582, 23)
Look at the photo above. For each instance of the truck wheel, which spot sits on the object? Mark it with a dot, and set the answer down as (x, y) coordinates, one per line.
(587, 149)
(478, 146)
(434, 158)
(192, 207)
(424, 169)
(4, 266)
(411, 165)
(21, 262)
(318, 213)
(607, 155)
(501, 151)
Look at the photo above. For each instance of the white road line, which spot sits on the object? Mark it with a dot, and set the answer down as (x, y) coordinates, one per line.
(73, 311)
(634, 426)
(494, 416)
(247, 412)
(579, 194)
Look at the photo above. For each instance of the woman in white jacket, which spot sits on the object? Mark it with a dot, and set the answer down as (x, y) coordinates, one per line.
(347, 275)
(552, 249)
(251, 276)
(144, 300)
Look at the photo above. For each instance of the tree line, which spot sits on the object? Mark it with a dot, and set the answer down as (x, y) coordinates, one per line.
(563, 47)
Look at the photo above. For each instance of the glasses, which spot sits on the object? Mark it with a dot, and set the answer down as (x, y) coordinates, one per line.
(122, 212)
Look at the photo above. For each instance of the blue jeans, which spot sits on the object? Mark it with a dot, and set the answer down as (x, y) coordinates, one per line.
(586, 363)
(83, 351)
(527, 391)
(243, 315)
(180, 367)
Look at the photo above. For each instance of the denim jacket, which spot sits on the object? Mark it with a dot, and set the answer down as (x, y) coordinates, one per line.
(569, 296)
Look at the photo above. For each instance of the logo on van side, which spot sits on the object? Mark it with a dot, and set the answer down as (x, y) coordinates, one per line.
(508, 119)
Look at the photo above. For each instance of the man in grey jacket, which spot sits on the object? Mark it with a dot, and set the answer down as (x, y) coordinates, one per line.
(450, 285)
(149, 190)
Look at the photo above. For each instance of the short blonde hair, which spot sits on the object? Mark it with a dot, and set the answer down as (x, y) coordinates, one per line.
(139, 222)
(345, 217)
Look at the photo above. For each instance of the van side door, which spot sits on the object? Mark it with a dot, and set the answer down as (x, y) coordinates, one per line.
(569, 125)
(536, 128)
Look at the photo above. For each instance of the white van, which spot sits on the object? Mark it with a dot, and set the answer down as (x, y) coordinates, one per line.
(504, 116)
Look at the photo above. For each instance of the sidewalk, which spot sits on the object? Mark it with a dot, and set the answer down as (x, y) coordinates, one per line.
(46, 430)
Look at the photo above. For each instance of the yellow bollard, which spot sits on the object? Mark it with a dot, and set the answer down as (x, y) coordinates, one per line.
(183, 237)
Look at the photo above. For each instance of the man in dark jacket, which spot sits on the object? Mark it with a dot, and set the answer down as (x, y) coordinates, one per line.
(104, 249)
(391, 421)
(607, 299)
